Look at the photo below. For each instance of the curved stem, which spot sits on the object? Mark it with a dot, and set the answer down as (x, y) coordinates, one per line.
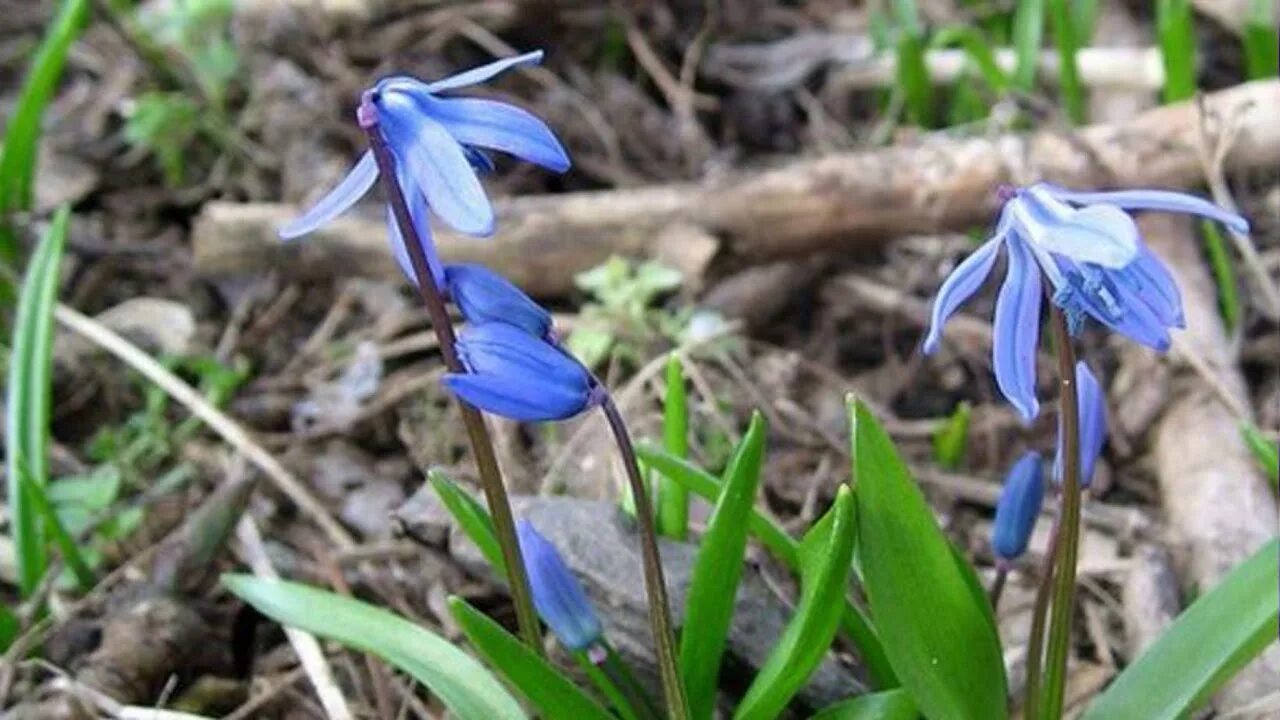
(655, 585)
(1035, 644)
(486, 462)
(1069, 529)
(997, 585)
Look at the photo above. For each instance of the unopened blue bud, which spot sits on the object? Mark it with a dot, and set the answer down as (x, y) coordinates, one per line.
(558, 597)
(483, 296)
(1018, 508)
(518, 376)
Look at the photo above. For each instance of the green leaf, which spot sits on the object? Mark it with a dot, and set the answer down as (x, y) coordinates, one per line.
(472, 517)
(461, 683)
(887, 705)
(1219, 634)
(1224, 274)
(939, 636)
(1028, 34)
(913, 80)
(29, 402)
(547, 690)
(978, 48)
(716, 572)
(1261, 41)
(783, 547)
(673, 498)
(1063, 21)
(1265, 451)
(951, 439)
(826, 556)
(22, 136)
(9, 627)
(1176, 32)
(66, 544)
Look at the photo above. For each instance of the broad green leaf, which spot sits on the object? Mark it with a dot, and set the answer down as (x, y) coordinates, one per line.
(1028, 34)
(938, 635)
(951, 439)
(716, 572)
(1219, 634)
(29, 403)
(1176, 32)
(1224, 273)
(783, 547)
(462, 684)
(1265, 451)
(826, 557)
(887, 705)
(472, 517)
(673, 498)
(22, 134)
(547, 690)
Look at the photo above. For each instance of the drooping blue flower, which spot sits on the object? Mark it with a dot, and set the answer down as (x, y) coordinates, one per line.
(518, 376)
(1018, 507)
(483, 295)
(438, 144)
(1090, 250)
(557, 596)
(1093, 425)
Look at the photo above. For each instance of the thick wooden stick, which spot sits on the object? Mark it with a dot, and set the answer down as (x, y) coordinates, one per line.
(844, 202)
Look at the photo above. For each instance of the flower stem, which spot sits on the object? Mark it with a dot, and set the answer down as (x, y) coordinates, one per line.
(486, 462)
(1063, 599)
(997, 585)
(655, 585)
(1039, 615)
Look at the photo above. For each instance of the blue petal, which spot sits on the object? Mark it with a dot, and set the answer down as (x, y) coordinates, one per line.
(437, 164)
(959, 286)
(515, 397)
(478, 75)
(1098, 234)
(499, 126)
(1093, 425)
(1162, 200)
(1017, 331)
(557, 595)
(482, 163)
(518, 376)
(421, 222)
(1098, 293)
(1018, 507)
(483, 295)
(1147, 279)
(352, 188)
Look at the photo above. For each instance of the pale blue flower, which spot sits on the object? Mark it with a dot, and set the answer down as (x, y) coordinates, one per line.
(438, 145)
(1018, 507)
(1090, 250)
(1092, 404)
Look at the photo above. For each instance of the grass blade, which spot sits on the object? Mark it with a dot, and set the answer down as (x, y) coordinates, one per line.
(1028, 35)
(786, 549)
(66, 544)
(461, 683)
(673, 498)
(887, 705)
(1261, 41)
(913, 80)
(951, 439)
(1176, 32)
(472, 517)
(547, 690)
(938, 633)
(826, 557)
(1064, 37)
(29, 400)
(1265, 451)
(1224, 274)
(716, 572)
(1219, 634)
(978, 48)
(18, 156)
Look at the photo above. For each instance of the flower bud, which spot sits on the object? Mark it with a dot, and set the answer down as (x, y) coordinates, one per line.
(1018, 508)
(558, 597)
(1093, 425)
(483, 296)
(518, 376)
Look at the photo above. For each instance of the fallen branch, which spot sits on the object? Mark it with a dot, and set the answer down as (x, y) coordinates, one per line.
(841, 202)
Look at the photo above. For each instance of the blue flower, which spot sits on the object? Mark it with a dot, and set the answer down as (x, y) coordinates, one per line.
(1018, 507)
(518, 376)
(438, 144)
(1089, 248)
(1093, 425)
(483, 295)
(558, 597)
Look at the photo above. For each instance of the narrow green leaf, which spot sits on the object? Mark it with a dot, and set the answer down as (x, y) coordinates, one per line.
(938, 634)
(783, 547)
(826, 556)
(1219, 634)
(978, 48)
(18, 156)
(1224, 273)
(887, 705)
(1262, 41)
(1265, 451)
(547, 690)
(716, 572)
(1028, 35)
(951, 439)
(673, 498)
(9, 627)
(472, 517)
(66, 544)
(1085, 13)
(1063, 22)
(29, 400)
(461, 683)
(913, 80)
(1176, 32)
